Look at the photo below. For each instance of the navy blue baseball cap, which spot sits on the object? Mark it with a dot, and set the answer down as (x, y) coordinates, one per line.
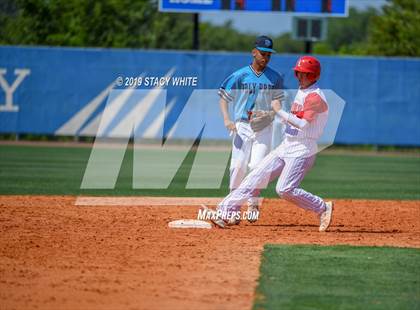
(264, 43)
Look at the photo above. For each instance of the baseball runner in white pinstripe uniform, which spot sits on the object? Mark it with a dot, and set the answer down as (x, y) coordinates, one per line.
(294, 157)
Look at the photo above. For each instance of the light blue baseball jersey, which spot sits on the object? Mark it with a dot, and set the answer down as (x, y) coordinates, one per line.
(249, 91)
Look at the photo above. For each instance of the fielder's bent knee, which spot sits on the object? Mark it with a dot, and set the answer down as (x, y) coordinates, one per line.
(252, 166)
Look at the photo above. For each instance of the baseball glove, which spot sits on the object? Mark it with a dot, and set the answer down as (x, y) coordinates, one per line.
(261, 119)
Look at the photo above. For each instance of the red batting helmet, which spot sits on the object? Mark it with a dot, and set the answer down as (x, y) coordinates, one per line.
(309, 64)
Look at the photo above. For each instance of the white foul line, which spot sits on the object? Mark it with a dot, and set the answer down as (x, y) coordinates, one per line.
(148, 201)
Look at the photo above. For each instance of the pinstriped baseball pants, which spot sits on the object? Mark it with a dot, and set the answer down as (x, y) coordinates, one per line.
(290, 173)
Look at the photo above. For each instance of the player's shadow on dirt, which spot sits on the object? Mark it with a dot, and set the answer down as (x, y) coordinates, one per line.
(394, 231)
(361, 229)
(333, 229)
(282, 225)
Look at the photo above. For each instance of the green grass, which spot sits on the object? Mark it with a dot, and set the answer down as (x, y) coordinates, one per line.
(358, 176)
(339, 277)
(59, 170)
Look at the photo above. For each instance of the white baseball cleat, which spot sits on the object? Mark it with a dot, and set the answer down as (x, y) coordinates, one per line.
(214, 217)
(326, 216)
(253, 213)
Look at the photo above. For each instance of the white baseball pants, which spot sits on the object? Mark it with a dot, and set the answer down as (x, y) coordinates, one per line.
(290, 173)
(248, 149)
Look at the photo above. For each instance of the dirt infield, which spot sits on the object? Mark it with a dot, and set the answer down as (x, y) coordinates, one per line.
(54, 254)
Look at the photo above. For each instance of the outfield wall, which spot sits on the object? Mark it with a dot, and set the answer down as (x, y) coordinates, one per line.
(63, 91)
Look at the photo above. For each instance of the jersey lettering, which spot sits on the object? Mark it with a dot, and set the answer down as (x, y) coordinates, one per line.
(247, 90)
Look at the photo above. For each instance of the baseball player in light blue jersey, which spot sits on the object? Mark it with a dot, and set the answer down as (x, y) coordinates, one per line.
(294, 157)
(251, 90)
